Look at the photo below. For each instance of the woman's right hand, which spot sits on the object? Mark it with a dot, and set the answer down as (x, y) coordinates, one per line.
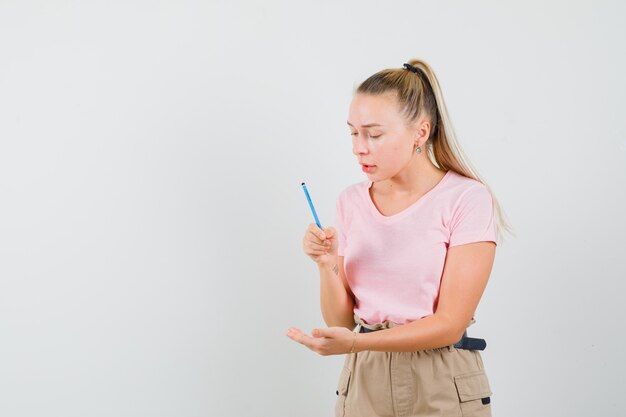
(320, 245)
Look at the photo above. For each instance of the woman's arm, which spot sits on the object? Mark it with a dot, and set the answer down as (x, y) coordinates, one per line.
(465, 275)
(336, 299)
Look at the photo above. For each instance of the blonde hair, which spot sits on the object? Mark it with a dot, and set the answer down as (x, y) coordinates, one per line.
(418, 92)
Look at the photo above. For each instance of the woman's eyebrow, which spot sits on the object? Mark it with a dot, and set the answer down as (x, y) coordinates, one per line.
(368, 125)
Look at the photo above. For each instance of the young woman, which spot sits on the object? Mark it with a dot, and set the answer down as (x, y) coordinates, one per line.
(405, 268)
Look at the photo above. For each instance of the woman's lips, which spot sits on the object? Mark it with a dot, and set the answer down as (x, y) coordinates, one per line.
(368, 168)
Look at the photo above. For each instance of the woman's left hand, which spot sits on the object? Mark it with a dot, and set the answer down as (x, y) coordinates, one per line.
(327, 341)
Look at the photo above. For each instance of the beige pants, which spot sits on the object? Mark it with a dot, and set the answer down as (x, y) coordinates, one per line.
(443, 382)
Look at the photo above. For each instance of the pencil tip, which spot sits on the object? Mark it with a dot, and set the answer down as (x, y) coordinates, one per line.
(302, 184)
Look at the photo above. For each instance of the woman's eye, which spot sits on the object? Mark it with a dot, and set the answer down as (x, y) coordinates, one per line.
(371, 136)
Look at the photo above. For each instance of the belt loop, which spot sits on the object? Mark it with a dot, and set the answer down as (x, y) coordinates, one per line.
(359, 323)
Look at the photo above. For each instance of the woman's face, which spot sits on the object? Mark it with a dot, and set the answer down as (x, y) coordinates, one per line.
(382, 140)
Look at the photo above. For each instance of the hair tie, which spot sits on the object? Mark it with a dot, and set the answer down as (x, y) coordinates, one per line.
(410, 68)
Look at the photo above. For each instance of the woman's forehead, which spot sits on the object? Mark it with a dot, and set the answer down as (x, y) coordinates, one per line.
(368, 110)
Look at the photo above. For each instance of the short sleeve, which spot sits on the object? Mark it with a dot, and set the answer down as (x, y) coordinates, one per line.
(340, 227)
(473, 217)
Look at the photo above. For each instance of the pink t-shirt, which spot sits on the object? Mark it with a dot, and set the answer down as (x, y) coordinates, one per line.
(394, 263)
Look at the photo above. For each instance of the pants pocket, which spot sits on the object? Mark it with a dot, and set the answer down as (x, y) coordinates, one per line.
(342, 392)
(474, 394)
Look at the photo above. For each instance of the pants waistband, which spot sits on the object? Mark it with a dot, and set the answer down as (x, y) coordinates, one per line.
(466, 342)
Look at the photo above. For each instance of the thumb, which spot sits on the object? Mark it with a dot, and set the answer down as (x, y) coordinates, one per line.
(320, 332)
(329, 231)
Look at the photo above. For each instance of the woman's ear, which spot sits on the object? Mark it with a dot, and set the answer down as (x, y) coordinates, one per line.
(423, 132)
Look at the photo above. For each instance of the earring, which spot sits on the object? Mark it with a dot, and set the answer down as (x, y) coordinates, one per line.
(418, 150)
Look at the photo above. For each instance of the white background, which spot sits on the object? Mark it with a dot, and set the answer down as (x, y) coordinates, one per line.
(151, 214)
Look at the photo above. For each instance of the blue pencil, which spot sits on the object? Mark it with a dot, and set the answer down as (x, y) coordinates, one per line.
(308, 197)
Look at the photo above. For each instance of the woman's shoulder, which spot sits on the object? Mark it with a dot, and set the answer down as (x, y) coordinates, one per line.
(353, 191)
(460, 184)
(465, 192)
(356, 187)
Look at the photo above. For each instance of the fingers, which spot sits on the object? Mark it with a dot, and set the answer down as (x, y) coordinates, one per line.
(315, 234)
(316, 242)
(298, 336)
(319, 343)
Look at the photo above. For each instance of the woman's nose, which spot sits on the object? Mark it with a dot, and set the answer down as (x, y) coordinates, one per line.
(359, 145)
